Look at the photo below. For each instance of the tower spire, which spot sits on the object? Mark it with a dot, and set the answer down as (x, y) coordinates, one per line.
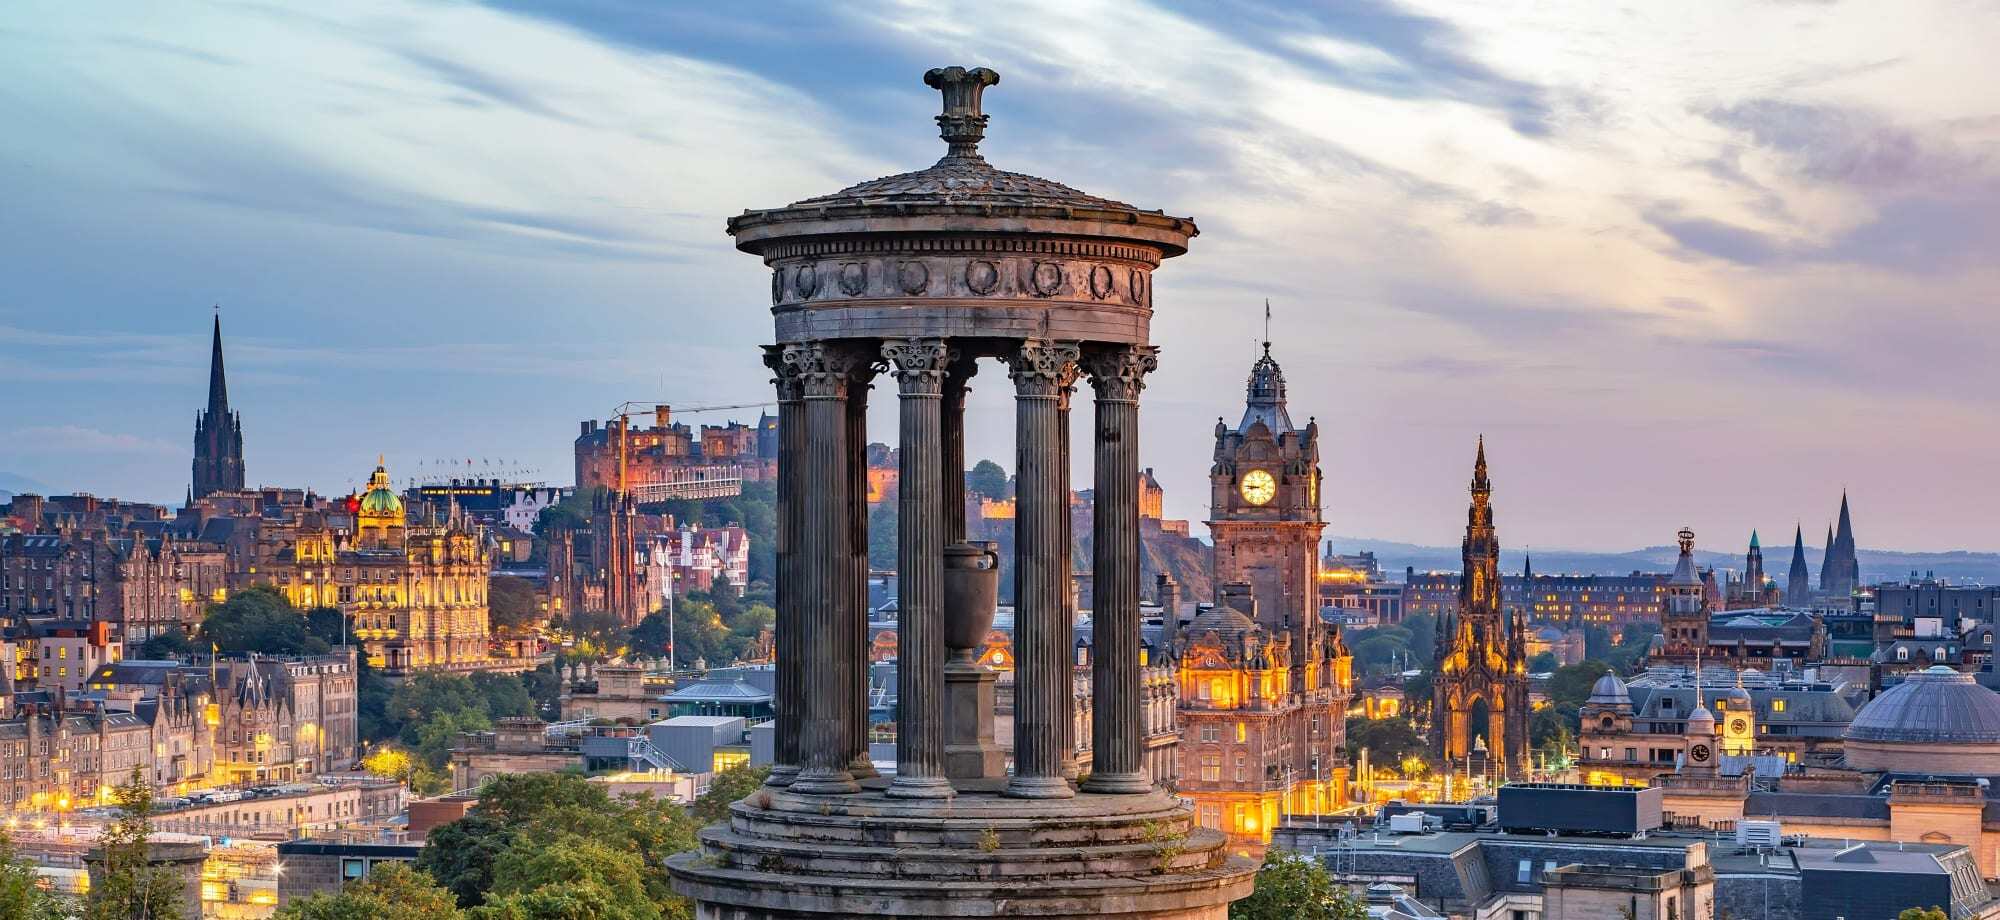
(218, 432)
(1798, 582)
(218, 385)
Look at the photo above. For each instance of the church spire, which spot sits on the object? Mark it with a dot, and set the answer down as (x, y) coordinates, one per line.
(218, 385)
(218, 432)
(1798, 584)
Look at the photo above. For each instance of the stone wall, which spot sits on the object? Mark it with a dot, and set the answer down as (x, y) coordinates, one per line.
(1757, 896)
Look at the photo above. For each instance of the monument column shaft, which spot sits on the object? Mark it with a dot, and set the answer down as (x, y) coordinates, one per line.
(919, 367)
(1117, 375)
(952, 444)
(1043, 373)
(790, 638)
(823, 569)
(855, 633)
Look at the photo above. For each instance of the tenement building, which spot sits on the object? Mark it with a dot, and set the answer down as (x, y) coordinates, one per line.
(1634, 730)
(916, 280)
(1264, 680)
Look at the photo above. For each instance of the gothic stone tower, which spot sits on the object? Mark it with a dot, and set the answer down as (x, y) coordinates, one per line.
(1841, 573)
(1266, 525)
(218, 433)
(1481, 656)
(1265, 501)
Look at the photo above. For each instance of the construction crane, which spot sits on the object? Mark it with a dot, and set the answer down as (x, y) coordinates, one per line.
(624, 413)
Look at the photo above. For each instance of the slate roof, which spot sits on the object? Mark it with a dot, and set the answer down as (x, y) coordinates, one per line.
(963, 180)
(713, 691)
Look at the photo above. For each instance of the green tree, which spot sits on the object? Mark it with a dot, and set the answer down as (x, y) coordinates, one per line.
(987, 478)
(169, 644)
(1388, 740)
(511, 602)
(1423, 638)
(129, 886)
(1920, 913)
(728, 786)
(1295, 887)
(571, 513)
(535, 811)
(1552, 729)
(259, 619)
(1417, 697)
(1570, 685)
(328, 625)
(21, 895)
(883, 520)
(391, 891)
(1543, 663)
(570, 876)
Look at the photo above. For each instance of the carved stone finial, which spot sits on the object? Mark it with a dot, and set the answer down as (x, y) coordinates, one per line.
(962, 124)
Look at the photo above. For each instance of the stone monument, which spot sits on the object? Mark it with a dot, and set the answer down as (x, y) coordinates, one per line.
(923, 275)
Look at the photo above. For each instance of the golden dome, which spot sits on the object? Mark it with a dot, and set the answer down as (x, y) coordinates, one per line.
(380, 498)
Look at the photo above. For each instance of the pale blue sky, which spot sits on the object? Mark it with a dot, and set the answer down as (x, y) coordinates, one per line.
(1681, 263)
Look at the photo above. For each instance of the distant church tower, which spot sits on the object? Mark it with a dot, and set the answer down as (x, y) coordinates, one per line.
(218, 433)
(1481, 657)
(1842, 572)
(1798, 585)
(1753, 571)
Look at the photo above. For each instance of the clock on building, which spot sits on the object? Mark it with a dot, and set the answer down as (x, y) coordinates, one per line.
(1698, 753)
(1739, 726)
(1258, 487)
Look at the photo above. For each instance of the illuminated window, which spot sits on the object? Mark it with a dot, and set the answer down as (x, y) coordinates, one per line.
(1242, 732)
(1777, 705)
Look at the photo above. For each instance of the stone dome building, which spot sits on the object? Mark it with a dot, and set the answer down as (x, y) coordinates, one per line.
(1936, 721)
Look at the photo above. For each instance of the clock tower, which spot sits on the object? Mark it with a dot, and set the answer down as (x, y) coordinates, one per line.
(1265, 509)
(1264, 681)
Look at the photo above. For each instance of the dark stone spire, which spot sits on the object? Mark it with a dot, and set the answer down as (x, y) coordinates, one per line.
(1842, 572)
(218, 432)
(218, 385)
(1798, 584)
(1753, 568)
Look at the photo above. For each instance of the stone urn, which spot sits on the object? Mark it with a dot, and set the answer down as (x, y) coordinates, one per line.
(971, 596)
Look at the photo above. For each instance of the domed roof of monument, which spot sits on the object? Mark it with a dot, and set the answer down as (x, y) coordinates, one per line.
(963, 184)
(1933, 705)
(967, 179)
(1609, 691)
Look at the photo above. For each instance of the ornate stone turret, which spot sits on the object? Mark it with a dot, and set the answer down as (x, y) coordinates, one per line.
(920, 276)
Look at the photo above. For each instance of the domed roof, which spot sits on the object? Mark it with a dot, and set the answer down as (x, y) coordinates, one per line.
(381, 501)
(963, 180)
(962, 185)
(1609, 691)
(1933, 705)
(1701, 721)
(381, 498)
(1227, 622)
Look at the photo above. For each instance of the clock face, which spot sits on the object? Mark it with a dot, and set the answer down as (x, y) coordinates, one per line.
(1258, 487)
(1739, 726)
(1698, 753)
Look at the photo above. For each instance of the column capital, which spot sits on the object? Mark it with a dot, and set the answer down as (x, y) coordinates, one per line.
(826, 368)
(1042, 368)
(920, 365)
(1118, 373)
(785, 375)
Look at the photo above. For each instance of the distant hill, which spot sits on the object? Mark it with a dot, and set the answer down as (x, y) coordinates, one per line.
(1876, 564)
(12, 484)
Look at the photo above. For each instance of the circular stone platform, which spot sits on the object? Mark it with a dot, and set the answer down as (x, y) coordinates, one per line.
(784, 856)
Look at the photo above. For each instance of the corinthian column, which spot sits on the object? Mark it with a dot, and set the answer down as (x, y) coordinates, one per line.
(855, 612)
(823, 568)
(952, 436)
(919, 366)
(1044, 373)
(790, 635)
(1117, 375)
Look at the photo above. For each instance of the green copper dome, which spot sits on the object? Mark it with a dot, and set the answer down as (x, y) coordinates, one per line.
(381, 501)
